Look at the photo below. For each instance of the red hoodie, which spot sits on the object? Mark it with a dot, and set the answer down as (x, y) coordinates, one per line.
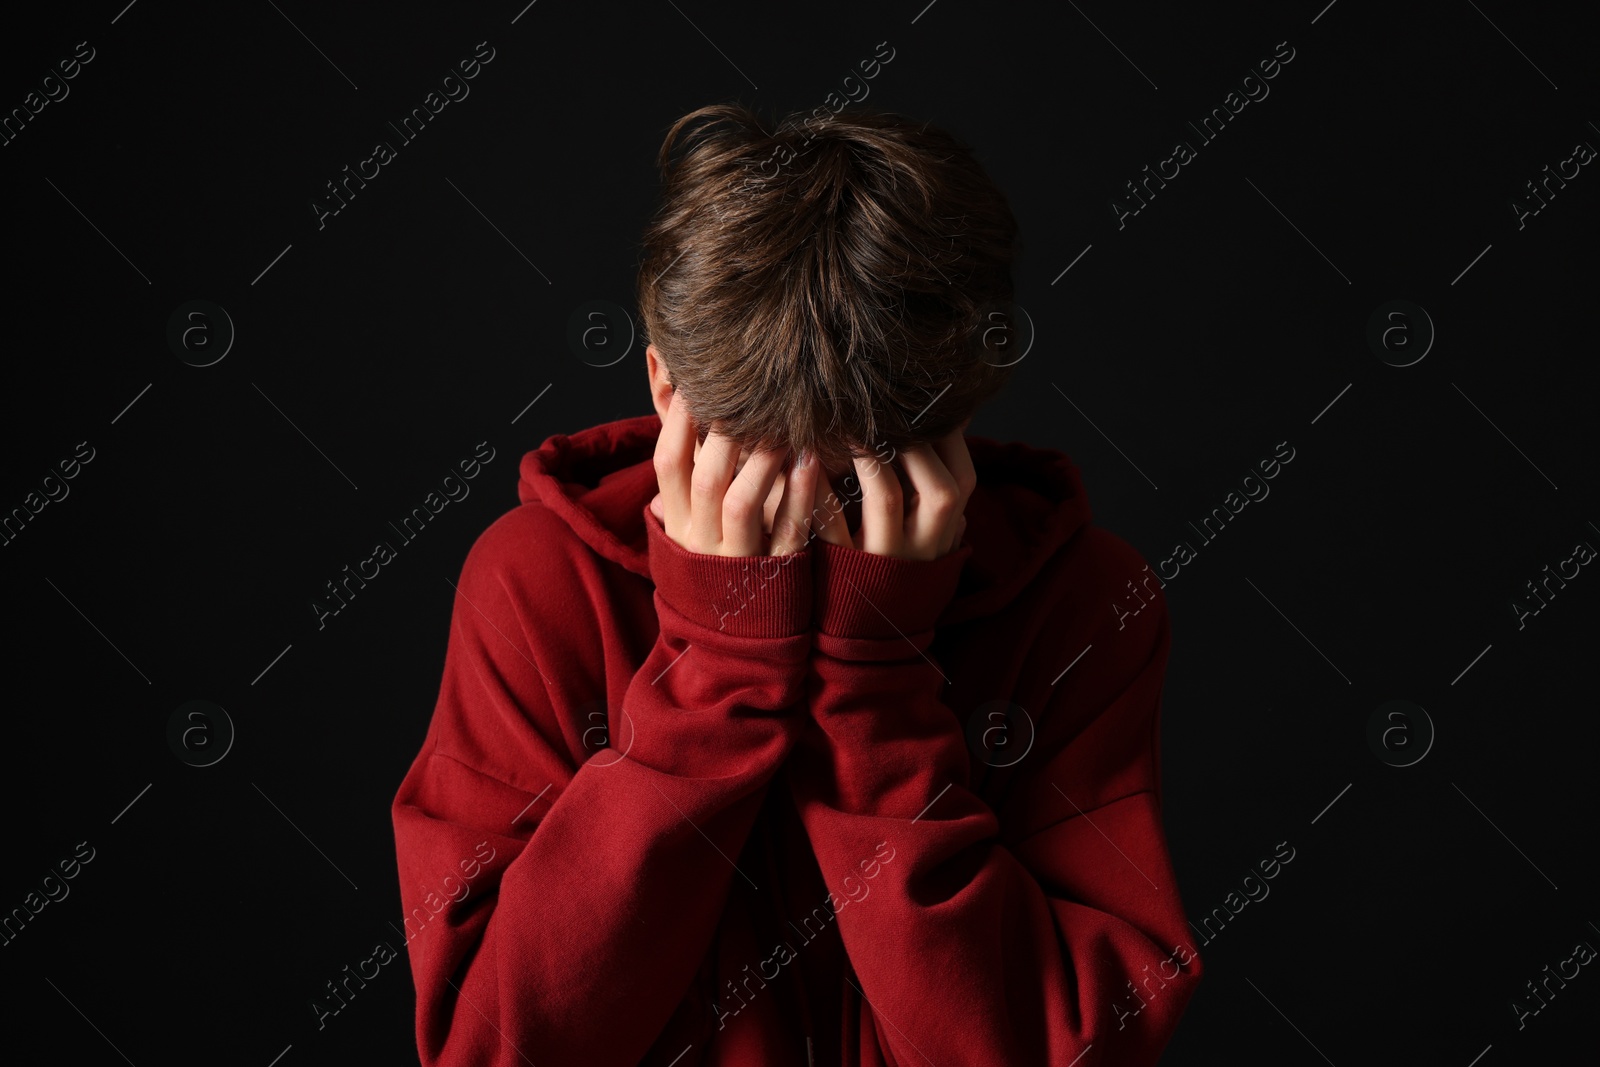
(680, 809)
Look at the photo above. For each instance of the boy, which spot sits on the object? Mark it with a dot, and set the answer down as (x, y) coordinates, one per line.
(774, 774)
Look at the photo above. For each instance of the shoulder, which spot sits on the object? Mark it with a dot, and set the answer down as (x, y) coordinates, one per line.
(1094, 546)
(500, 711)
(1109, 617)
(1105, 593)
(526, 545)
(524, 564)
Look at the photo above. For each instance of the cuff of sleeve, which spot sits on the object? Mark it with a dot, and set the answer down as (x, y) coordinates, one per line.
(858, 594)
(744, 596)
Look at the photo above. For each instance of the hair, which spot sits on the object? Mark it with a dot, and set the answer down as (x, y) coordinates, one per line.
(831, 285)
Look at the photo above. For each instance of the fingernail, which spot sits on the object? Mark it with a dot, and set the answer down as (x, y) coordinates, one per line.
(803, 460)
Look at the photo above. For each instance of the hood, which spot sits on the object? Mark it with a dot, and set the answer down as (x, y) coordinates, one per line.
(1027, 504)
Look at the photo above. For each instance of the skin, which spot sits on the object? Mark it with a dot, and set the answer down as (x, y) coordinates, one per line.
(717, 500)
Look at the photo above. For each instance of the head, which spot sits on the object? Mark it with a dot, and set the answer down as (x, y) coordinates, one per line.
(831, 285)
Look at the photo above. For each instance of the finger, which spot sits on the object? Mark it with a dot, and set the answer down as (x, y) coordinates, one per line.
(791, 523)
(953, 452)
(742, 534)
(932, 514)
(952, 449)
(828, 513)
(769, 507)
(713, 471)
(674, 464)
(882, 509)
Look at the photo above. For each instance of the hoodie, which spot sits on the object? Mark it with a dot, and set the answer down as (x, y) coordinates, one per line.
(828, 808)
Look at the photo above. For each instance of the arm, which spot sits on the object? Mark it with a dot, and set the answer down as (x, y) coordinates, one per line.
(578, 939)
(585, 936)
(1022, 935)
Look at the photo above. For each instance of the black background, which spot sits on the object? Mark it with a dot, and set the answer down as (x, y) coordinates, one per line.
(1224, 318)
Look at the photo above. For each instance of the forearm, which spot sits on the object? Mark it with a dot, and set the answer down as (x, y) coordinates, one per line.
(1025, 953)
(578, 947)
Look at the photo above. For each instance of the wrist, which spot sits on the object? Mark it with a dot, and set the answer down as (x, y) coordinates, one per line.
(742, 596)
(861, 595)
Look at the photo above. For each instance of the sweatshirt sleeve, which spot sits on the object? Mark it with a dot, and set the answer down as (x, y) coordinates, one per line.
(588, 881)
(1026, 933)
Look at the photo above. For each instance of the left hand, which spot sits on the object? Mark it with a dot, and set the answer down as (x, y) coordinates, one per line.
(922, 520)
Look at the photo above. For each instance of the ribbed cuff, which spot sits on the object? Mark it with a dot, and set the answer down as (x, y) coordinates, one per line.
(745, 596)
(858, 594)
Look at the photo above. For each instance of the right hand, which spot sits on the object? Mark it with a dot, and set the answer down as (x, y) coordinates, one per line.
(709, 505)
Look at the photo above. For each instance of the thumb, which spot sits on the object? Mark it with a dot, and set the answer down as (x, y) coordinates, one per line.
(655, 507)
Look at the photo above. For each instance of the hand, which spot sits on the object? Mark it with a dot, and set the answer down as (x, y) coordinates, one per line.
(919, 513)
(708, 504)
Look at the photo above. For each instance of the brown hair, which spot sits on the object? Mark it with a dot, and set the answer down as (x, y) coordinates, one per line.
(831, 285)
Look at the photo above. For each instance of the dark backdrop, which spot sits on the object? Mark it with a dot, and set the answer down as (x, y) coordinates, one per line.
(1174, 349)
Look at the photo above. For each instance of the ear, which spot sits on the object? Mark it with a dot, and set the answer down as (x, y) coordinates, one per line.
(660, 386)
